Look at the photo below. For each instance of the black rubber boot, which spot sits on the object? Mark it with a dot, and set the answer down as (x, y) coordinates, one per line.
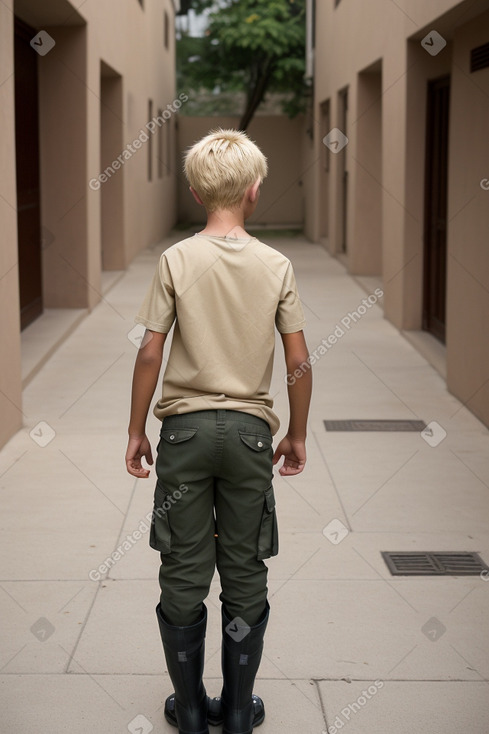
(214, 713)
(187, 708)
(242, 648)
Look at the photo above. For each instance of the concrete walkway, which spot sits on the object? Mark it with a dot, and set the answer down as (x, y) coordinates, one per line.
(349, 646)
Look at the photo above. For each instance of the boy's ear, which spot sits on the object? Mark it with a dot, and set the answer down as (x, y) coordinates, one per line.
(253, 190)
(196, 196)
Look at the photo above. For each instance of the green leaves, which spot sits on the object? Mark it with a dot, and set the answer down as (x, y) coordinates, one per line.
(256, 46)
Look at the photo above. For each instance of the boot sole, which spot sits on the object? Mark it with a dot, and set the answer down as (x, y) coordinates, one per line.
(212, 722)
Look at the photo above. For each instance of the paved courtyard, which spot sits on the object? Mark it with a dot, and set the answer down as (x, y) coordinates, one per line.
(349, 647)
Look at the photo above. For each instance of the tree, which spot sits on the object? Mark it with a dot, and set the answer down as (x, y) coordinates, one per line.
(255, 46)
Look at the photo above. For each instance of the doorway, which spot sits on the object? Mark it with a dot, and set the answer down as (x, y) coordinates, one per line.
(112, 191)
(343, 172)
(27, 169)
(436, 191)
(324, 172)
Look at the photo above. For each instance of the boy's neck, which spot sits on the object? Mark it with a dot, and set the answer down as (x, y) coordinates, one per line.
(225, 223)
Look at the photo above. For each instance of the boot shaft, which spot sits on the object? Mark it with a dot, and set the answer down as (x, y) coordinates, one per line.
(184, 649)
(242, 648)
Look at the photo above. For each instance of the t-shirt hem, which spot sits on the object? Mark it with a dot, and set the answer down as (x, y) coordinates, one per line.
(261, 411)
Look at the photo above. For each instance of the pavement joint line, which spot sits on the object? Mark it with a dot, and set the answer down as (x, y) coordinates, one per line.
(208, 678)
(386, 481)
(332, 579)
(396, 680)
(90, 480)
(290, 680)
(338, 497)
(92, 384)
(92, 678)
(82, 628)
(471, 667)
(386, 581)
(321, 702)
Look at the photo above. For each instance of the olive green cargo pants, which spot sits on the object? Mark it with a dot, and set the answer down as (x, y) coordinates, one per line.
(214, 506)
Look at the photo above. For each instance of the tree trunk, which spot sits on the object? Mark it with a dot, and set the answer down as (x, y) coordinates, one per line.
(255, 98)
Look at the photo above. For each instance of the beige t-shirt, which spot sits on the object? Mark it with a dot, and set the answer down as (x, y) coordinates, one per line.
(226, 295)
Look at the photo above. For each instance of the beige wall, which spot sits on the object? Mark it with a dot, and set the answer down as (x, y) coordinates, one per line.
(108, 62)
(387, 75)
(468, 234)
(282, 196)
(10, 381)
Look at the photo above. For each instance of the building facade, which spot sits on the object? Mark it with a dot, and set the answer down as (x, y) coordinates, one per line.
(87, 144)
(398, 169)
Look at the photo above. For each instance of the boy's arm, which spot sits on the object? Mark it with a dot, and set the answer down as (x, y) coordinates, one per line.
(145, 378)
(293, 446)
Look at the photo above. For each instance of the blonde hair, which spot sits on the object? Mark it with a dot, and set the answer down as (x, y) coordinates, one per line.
(222, 166)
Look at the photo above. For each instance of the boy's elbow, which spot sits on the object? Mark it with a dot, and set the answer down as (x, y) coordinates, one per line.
(298, 360)
(151, 350)
(149, 359)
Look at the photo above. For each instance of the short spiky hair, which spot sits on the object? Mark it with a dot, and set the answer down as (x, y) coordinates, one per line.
(222, 165)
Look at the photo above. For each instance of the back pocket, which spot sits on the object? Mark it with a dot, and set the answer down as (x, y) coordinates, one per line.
(177, 435)
(268, 536)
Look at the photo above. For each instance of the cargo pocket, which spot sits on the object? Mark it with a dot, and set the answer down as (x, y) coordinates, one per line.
(160, 534)
(268, 536)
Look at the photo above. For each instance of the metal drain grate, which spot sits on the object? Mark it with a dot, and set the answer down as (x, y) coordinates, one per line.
(375, 425)
(434, 563)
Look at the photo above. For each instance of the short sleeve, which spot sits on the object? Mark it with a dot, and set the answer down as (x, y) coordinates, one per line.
(157, 312)
(290, 316)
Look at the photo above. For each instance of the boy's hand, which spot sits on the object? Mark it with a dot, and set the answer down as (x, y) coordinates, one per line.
(137, 447)
(294, 452)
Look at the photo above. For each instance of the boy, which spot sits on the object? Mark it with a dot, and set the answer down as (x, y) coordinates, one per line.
(214, 503)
